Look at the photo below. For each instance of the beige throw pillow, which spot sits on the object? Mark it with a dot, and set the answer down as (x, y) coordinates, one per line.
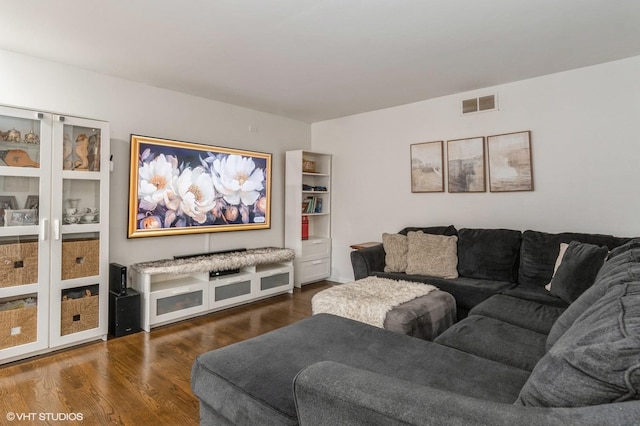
(433, 255)
(395, 248)
(563, 248)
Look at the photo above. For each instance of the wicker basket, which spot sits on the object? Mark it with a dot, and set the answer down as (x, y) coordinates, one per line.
(80, 258)
(24, 324)
(18, 263)
(308, 166)
(79, 315)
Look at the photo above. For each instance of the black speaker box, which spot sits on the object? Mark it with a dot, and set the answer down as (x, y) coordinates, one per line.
(124, 313)
(118, 278)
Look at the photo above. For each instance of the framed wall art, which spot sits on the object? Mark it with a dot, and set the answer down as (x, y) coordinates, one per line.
(465, 163)
(510, 166)
(179, 187)
(427, 167)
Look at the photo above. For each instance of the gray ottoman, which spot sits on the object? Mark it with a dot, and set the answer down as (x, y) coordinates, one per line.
(424, 316)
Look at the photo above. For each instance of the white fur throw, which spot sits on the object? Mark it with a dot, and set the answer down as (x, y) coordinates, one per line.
(216, 262)
(367, 300)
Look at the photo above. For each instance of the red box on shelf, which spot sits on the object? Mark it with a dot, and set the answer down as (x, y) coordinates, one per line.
(305, 227)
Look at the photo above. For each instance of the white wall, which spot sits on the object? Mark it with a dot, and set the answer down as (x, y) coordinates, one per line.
(140, 109)
(585, 147)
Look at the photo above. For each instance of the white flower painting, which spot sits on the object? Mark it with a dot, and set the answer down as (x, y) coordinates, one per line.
(185, 188)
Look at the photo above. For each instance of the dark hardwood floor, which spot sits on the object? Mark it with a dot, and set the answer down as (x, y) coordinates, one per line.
(138, 379)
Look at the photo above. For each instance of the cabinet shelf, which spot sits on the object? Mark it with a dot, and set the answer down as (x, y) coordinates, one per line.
(316, 174)
(19, 231)
(18, 290)
(20, 171)
(175, 284)
(80, 175)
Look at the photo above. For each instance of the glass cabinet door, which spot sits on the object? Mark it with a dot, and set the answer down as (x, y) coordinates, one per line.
(80, 245)
(80, 159)
(25, 146)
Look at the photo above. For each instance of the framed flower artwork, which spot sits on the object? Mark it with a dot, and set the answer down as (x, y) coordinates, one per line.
(180, 188)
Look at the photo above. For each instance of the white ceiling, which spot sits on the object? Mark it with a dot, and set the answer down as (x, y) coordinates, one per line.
(314, 60)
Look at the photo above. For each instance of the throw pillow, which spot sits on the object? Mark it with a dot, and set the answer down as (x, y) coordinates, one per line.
(539, 251)
(619, 271)
(596, 361)
(577, 271)
(395, 248)
(432, 255)
(563, 248)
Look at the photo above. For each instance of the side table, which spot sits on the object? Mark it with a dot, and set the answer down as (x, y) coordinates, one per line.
(360, 246)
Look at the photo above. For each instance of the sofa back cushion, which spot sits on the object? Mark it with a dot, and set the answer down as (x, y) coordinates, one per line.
(596, 361)
(539, 251)
(625, 267)
(435, 230)
(490, 254)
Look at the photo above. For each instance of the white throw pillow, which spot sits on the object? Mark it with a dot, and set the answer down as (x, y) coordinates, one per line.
(395, 248)
(563, 249)
(432, 255)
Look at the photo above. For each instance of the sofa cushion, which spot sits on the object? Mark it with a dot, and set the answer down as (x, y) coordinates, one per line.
(597, 361)
(535, 293)
(395, 248)
(577, 271)
(433, 255)
(625, 267)
(490, 254)
(533, 316)
(495, 340)
(468, 292)
(539, 251)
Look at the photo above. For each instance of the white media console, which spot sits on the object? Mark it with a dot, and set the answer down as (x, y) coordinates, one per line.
(173, 290)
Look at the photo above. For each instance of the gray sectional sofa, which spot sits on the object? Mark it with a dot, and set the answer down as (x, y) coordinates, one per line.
(522, 354)
(490, 261)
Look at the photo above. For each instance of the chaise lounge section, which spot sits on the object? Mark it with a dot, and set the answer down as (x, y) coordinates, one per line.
(513, 360)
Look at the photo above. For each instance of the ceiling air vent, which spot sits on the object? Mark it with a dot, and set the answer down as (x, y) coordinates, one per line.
(483, 103)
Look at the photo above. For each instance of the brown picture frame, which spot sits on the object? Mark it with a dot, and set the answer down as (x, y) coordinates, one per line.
(510, 162)
(466, 165)
(427, 167)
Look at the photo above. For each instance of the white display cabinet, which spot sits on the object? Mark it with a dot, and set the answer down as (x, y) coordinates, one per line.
(53, 256)
(308, 200)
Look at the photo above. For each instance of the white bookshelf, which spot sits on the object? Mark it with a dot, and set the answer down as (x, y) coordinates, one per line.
(313, 255)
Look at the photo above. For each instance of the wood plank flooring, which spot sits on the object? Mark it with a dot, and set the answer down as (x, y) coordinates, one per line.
(138, 379)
